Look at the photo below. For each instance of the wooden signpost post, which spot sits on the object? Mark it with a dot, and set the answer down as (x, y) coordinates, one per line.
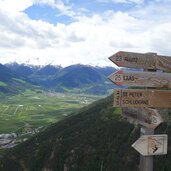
(136, 103)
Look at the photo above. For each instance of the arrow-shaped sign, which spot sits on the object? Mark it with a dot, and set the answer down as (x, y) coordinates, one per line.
(141, 60)
(141, 79)
(142, 98)
(147, 117)
(148, 145)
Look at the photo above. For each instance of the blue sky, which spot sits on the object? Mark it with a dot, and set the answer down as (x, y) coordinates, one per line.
(52, 15)
(66, 32)
(48, 14)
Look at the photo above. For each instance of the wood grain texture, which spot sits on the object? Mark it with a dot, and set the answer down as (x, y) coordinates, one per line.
(142, 98)
(163, 63)
(141, 79)
(146, 117)
(141, 60)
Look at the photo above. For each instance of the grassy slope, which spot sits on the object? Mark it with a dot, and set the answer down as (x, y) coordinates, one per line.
(95, 138)
(85, 141)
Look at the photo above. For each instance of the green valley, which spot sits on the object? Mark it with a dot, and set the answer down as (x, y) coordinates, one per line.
(34, 97)
(30, 112)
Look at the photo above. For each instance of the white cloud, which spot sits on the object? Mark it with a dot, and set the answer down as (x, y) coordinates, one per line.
(14, 6)
(64, 8)
(88, 40)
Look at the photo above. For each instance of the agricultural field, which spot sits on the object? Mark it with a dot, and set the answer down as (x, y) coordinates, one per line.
(30, 112)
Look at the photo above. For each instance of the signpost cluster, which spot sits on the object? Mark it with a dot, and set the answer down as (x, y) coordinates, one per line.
(138, 105)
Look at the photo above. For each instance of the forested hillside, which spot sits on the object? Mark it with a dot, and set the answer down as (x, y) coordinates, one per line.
(96, 138)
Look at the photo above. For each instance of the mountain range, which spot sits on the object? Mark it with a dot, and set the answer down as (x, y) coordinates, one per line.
(11, 82)
(76, 78)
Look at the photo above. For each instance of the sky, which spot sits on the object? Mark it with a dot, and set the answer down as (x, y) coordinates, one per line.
(67, 32)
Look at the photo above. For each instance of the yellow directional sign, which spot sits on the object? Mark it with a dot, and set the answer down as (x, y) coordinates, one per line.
(142, 98)
(141, 79)
(141, 60)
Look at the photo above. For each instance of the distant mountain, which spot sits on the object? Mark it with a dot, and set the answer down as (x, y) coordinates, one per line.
(48, 70)
(76, 76)
(11, 82)
(106, 71)
(27, 70)
(21, 69)
(87, 78)
(94, 139)
(6, 74)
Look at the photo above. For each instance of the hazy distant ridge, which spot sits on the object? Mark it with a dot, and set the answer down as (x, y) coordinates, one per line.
(90, 79)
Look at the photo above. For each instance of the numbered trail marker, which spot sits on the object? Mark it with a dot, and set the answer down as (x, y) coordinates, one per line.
(141, 60)
(150, 118)
(136, 103)
(148, 145)
(142, 98)
(141, 79)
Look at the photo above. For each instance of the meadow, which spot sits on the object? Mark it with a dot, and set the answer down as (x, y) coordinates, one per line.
(28, 113)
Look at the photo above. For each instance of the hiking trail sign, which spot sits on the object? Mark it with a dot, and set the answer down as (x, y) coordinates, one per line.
(141, 79)
(142, 60)
(147, 117)
(149, 145)
(135, 103)
(142, 98)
